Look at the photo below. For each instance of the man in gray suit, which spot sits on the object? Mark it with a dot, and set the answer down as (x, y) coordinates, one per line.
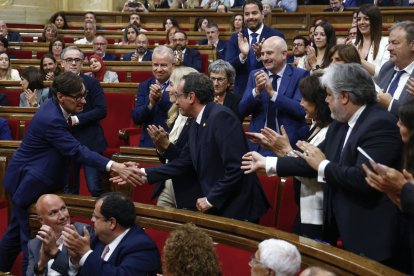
(394, 74)
(46, 252)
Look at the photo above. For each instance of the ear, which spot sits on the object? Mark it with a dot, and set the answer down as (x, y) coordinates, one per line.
(113, 223)
(344, 97)
(412, 45)
(40, 219)
(59, 96)
(191, 97)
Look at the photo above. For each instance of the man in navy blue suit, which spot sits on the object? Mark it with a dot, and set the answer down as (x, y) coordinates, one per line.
(366, 220)
(99, 48)
(15, 37)
(86, 125)
(119, 248)
(39, 166)
(243, 49)
(185, 56)
(215, 147)
(141, 53)
(272, 95)
(153, 101)
(212, 33)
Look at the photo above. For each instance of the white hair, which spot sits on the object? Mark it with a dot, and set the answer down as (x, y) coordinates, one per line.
(280, 256)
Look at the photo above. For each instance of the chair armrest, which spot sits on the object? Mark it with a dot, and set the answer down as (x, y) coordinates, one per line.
(125, 134)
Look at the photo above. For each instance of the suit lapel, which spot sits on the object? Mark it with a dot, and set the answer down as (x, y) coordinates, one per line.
(284, 83)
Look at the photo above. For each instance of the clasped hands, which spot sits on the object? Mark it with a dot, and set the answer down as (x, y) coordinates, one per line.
(244, 46)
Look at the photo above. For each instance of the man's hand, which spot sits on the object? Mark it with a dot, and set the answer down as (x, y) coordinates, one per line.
(159, 137)
(263, 83)
(253, 161)
(155, 94)
(76, 244)
(257, 48)
(384, 99)
(244, 46)
(126, 174)
(275, 142)
(312, 154)
(202, 204)
(48, 238)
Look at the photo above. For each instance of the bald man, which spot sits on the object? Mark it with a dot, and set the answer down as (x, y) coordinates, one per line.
(272, 95)
(141, 52)
(47, 255)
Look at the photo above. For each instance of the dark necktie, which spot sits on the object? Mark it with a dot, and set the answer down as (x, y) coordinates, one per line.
(394, 83)
(271, 109)
(252, 56)
(70, 123)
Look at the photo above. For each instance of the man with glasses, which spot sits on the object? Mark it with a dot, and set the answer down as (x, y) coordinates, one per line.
(99, 48)
(185, 56)
(299, 51)
(39, 166)
(153, 101)
(86, 125)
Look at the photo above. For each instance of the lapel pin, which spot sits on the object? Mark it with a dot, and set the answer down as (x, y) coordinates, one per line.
(204, 125)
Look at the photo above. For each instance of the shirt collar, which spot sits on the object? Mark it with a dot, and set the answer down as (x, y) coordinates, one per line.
(258, 32)
(280, 73)
(200, 115)
(409, 69)
(65, 113)
(354, 118)
(113, 244)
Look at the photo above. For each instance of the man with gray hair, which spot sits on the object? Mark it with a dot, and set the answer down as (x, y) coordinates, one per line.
(99, 48)
(395, 73)
(352, 209)
(153, 101)
(89, 32)
(275, 257)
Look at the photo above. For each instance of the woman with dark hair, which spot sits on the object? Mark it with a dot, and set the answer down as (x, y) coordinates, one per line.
(99, 71)
(59, 19)
(6, 70)
(49, 67)
(131, 33)
(324, 39)
(56, 47)
(34, 92)
(343, 53)
(309, 192)
(50, 31)
(170, 35)
(237, 23)
(200, 24)
(371, 45)
(170, 22)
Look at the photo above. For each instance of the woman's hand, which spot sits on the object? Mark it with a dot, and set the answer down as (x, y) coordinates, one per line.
(31, 97)
(159, 137)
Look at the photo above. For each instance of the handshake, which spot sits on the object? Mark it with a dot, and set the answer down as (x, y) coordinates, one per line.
(128, 173)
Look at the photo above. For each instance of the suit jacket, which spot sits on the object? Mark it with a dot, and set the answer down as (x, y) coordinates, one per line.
(110, 57)
(147, 56)
(367, 220)
(61, 262)
(289, 113)
(136, 255)
(232, 101)
(141, 114)
(186, 187)
(15, 37)
(4, 101)
(89, 132)
(233, 52)
(221, 48)
(384, 79)
(39, 164)
(5, 133)
(192, 58)
(215, 149)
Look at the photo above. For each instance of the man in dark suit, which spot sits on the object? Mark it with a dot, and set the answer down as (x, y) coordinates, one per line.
(99, 48)
(86, 125)
(366, 219)
(215, 146)
(141, 53)
(47, 252)
(243, 49)
(39, 164)
(212, 33)
(153, 102)
(272, 95)
(15, 37)
(185, 56)
(120, 247)
(394, 74)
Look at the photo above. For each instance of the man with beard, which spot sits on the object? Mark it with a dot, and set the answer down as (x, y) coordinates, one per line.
(272, 95)
(141, 53)
(135, 19)
(243, 49)
(184, 55)
(299, 51)
(99, 48)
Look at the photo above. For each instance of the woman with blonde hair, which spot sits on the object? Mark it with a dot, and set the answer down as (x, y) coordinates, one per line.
(50, 31)
(179, 192)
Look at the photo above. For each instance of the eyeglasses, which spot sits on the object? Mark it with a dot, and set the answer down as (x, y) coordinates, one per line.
(253, 261)
(71, 60)
(220, 80)
(100, 44)
(80, 97)
(297, 45)
(177, 95)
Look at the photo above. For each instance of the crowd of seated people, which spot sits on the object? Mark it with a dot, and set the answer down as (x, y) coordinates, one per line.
(253, 76)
